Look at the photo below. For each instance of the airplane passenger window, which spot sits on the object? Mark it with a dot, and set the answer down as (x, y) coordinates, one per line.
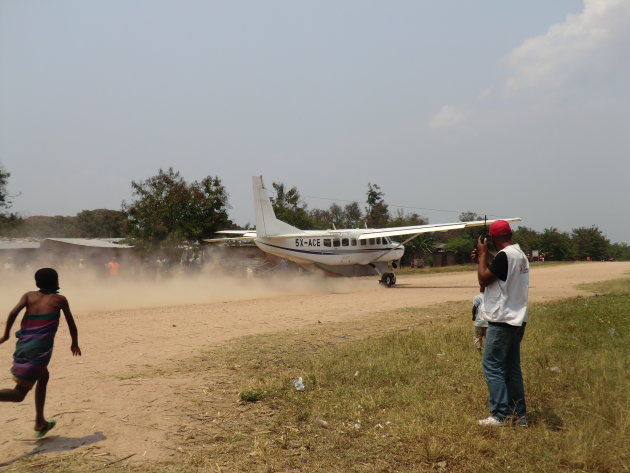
(336, 242)
(363, 242)
(327, 242)
(353, 242)
(372, 240)
(344, 242)
(378, 241)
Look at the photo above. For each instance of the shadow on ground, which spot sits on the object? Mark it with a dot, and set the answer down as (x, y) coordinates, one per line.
(57, 443)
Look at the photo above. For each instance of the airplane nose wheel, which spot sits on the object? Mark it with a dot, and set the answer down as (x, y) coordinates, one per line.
(388, 279)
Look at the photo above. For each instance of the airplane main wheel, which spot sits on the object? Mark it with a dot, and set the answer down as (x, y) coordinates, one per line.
(388, 279)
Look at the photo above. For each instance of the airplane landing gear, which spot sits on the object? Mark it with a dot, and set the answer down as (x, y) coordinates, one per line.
(388, 279)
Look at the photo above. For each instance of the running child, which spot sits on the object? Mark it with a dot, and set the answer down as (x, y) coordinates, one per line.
(36, 336)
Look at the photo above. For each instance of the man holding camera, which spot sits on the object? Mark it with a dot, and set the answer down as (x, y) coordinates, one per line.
(506, 282)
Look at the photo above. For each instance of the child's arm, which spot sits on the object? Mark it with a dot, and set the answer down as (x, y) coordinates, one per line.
(74, 334)
(12, 316)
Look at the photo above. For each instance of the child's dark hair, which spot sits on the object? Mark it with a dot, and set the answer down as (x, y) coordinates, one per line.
(47, 279)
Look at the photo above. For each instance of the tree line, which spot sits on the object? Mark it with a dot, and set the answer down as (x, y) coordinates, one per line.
(166, 210)
(579, 244)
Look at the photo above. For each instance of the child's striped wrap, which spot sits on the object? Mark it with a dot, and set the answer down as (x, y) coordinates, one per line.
(34, 347)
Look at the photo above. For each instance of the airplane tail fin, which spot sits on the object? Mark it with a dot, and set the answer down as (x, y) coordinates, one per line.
(266, 222)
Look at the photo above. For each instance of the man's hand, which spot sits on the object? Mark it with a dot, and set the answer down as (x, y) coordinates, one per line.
(76, 351)
(3, 339)
(484, 275)
(482, 246)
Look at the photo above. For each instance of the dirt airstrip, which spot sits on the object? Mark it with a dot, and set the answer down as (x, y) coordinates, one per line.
(103, 403)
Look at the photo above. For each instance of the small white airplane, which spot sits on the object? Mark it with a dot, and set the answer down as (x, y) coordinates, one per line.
(327, 249)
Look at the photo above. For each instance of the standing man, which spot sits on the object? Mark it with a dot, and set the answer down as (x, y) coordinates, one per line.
(113, 266)
(504, 307)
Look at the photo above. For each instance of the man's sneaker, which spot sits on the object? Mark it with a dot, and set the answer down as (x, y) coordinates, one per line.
(521, 421)
(491, 422)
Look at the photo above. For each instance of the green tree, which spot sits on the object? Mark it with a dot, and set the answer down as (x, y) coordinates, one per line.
(557, 246)
(320, 219)
(4, 197)
(527, 239)
(463, 244)
(47, 227)
(289, 208)
(469, 216)
(101, 223)
(168, 210)
(349, 216)
(377, 211)
(337, 216)
(620, 251)
(9, 222)
(465, 240)
(353, 217)
(590, 242)
(402, 219)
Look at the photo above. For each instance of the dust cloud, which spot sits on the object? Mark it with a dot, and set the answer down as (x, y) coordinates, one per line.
(91, 291)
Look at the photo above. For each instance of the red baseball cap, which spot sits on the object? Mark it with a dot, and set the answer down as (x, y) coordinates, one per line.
(500, 227)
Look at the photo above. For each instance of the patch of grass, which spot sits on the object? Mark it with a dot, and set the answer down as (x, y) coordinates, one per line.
(253, 395)
(408, 400)
(615, 286)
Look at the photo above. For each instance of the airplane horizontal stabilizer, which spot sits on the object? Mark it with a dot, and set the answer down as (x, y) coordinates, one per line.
(218, 240)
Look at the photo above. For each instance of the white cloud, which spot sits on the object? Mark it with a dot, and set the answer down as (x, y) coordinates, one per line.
(448, 116)
(588, 45)
(486, 94)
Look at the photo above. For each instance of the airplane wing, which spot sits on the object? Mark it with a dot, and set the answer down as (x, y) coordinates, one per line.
(413, 230)
(418, 229)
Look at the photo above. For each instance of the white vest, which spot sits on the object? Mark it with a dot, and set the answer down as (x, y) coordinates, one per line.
(506, 301)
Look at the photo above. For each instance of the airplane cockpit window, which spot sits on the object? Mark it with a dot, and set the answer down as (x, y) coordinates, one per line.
(336, 242)
(378, 241)
(344, 242)
(327, 242)
(353, 242)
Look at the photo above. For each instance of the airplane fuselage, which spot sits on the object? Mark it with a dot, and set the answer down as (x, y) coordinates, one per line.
(344, 248)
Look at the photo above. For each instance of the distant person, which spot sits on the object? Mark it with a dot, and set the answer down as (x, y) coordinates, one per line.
(113, 267)
(480, 326)
(34, 347)
(9, 266)
(504, 307)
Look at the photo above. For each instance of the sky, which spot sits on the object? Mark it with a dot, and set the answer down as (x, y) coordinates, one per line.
(508, 109)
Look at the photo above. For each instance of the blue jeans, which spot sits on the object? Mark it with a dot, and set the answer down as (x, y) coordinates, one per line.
(502, 367)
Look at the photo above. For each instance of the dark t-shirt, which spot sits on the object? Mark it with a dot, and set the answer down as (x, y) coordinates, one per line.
(499, 266)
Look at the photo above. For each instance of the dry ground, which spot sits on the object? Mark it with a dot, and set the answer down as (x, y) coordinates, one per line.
(110, 401)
